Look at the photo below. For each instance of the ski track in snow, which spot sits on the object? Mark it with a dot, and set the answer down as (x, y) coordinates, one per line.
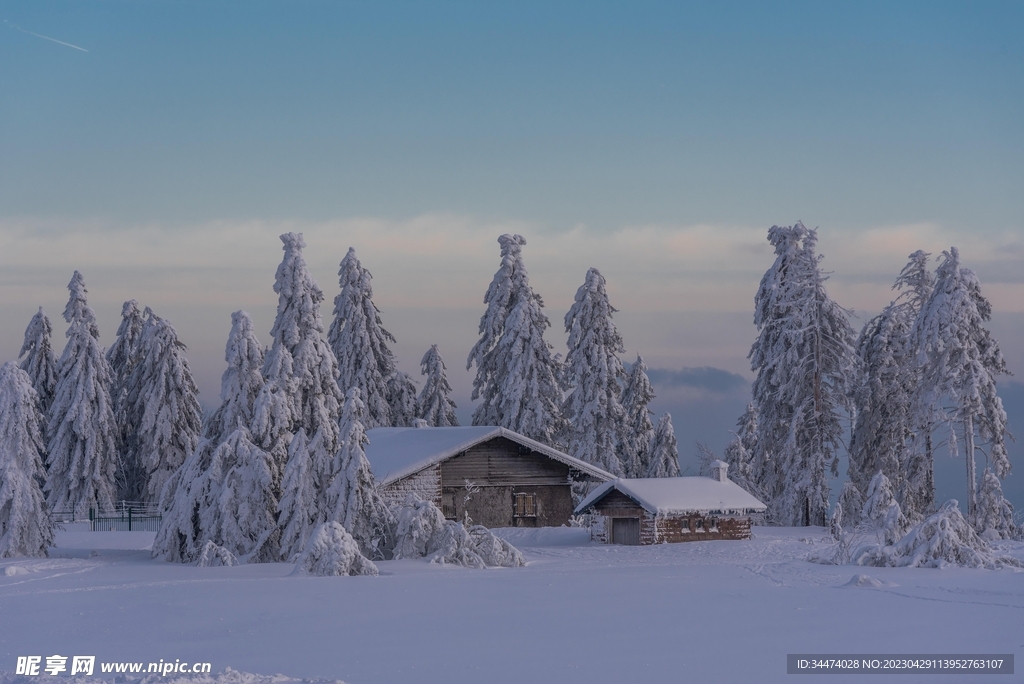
(686, 608)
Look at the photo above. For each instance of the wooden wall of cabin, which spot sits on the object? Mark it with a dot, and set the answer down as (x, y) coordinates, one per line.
(495, 506)
(500, 469)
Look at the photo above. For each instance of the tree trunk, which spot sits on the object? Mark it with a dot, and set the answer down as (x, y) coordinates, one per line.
(929, 503)
(971, 467)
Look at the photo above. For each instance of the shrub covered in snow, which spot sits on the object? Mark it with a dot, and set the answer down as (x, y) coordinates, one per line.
(333, 552)
(418, 523)
(214, 556)
(942, 539)
(882, 511)
(423, 532)
(994, 518)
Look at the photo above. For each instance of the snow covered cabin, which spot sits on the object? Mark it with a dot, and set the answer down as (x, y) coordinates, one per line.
(497, 476)
(670, 509)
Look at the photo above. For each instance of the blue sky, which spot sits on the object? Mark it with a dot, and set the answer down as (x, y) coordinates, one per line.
(656, 141)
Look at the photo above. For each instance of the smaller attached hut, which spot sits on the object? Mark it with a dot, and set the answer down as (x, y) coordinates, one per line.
(670, 509)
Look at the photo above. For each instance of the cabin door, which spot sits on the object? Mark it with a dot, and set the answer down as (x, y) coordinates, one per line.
(626, 531)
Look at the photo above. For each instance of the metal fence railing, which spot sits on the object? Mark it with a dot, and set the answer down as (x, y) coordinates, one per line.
(127, 516)
(125, 521)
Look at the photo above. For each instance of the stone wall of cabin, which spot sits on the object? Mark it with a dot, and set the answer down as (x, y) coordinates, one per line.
(694, 527)
(425, 485)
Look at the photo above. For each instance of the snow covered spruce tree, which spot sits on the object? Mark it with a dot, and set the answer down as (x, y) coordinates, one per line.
(887, 399)
(360, 342)
(960, 361)
(593, 373)
(917, 496)
(638, 429)
(122, 356)
(300, 368)
(38, 361)
(803, 359)
(663, 453)
(299, 509)
(352, 497)
(25, 526)
(739, 453)
(994, 519)
(163, 405)
(402, 399)
(882, 511)
(517, 378)
(241, 382)
(248, 499)
(435, 404)
(191, 501)
(82, 434)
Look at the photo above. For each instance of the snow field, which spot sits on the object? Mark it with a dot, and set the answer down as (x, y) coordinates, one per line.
(579, 612)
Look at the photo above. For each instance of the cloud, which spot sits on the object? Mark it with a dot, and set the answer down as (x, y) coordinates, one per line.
(703, 378)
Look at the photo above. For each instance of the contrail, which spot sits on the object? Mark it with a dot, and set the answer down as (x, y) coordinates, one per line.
(39, 35)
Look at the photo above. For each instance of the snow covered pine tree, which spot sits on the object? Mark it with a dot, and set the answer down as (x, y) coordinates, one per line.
(38, 360)
(803, 359)
(889, 430)
(25, 525)
(190, 508)
(517, 378)
(436, 406)
(960, 361)
(122, 356)
(352, 496)
(163, 406)
(638, 431)
(82, 434)
(360, 342)
(663, 454)
(593, 372)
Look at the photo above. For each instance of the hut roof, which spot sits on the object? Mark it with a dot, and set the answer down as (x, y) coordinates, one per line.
(395, 453)
(665, 495)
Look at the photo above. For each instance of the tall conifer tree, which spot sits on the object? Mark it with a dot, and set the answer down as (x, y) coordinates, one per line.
(518, 380)
(803, 359)
(38, 361)
(594, 373)
(82, 432)
(360, 342)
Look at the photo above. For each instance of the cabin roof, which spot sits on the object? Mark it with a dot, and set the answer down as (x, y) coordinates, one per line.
(395, 453)
(666, 495)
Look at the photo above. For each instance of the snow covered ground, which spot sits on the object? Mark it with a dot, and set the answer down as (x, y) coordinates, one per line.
(579, 612)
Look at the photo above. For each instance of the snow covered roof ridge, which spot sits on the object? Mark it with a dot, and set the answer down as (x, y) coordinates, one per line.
(396, 453)
(667, 495)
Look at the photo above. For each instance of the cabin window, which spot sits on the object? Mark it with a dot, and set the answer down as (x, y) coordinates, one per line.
(699, 525)
(713, 524)
(684, 525)
(448, 505)
(526, 505)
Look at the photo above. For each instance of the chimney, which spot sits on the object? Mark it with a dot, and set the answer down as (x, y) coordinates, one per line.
(720, 471)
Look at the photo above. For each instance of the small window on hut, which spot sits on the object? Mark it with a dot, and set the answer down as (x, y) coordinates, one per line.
(684, 525)
(698, 525)
(713, 524)
(448, 505)
(526, 505)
